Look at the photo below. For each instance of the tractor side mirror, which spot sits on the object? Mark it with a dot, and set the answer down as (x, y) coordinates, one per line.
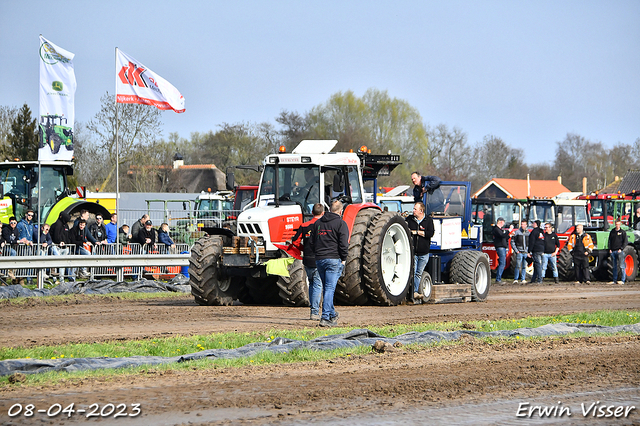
(231, 181)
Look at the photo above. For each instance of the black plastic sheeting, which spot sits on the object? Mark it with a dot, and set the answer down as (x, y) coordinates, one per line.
(178, 284)
(352, 339)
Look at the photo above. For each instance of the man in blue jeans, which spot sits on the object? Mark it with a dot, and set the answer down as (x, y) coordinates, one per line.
(536, 249)
(519, 247)
(501, 242)
(422, 230)
(617, 242)
(551, 249)
(330, 244)
(309, 261)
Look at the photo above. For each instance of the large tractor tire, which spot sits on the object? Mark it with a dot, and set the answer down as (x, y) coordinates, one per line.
(630, 265)
(264, 291)
(472, 267)
(209, 284)
(294, 289)
(387, 259)
(350, 289)
(566, 271)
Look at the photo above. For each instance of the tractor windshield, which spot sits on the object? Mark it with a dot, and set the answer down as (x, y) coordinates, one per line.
(542, 211)
(568, 216)
(447, 200)
(295, 184)
(204, 207)
(487, 213)
(20, 184)
(307, 185)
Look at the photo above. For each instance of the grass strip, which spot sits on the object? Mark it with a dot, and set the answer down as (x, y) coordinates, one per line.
(186, 344)
(180, 345)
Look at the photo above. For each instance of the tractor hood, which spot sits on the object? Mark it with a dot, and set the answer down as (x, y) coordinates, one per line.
(270, 224)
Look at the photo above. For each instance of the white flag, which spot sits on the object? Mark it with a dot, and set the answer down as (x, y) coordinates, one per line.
(57, 92)
(136, 84)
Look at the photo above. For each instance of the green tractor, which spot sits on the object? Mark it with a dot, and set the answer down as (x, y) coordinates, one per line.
(21, 185)
(55, 135)
(609, 210)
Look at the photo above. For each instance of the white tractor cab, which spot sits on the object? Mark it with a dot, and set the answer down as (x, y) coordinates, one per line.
(291, 184)
(393, 201)
(212, 209)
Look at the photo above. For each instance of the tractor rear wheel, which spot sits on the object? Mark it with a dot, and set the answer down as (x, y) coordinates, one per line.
(387, 259)
(294, 289)
(472, 267)
(630, 265)
(350, 289)
(566, 271)
(209, 284)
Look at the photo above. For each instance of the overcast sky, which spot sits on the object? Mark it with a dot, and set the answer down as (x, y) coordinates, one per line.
(527, 72)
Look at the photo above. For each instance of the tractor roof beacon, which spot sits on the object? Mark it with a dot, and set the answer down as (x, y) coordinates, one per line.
(226, 266)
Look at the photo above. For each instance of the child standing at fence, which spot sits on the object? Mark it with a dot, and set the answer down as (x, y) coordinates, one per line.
(123, 235)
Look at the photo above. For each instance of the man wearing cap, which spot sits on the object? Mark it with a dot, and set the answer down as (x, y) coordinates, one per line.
(501, 242)
(147, 236)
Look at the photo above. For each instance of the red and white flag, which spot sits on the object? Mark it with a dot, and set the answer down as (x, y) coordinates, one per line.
(137, 84)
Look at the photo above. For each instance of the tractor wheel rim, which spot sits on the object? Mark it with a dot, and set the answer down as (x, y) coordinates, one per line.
(395, 259)
(628, 265)
(481, 278)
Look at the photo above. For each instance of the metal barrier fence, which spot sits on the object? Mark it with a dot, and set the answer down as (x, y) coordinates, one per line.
(184, 225)
(63, 263)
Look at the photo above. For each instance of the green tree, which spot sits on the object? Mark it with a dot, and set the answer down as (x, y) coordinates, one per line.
(23, 139)
(375, 120)
(138, 126)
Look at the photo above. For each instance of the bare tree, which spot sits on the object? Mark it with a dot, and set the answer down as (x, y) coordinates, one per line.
(138, 126)
(7, 115)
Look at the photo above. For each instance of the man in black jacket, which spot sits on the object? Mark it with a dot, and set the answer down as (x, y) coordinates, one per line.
(60, 236)
(422, 230)
(147, 236)
(551, 248)
(330, 243)
(309, 261)
(617, 242)
(501, 243)
(423, 184)
(79, 235)
(536, 248)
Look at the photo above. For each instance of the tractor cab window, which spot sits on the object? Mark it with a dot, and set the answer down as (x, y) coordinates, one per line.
(295, 185)
(341, 183)
(354, 184)
(544, 212)
(447, 200)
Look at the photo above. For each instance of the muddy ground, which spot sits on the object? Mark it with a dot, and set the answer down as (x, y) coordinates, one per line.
(471, 382)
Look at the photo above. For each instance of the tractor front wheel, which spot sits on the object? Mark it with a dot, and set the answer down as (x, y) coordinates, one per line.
(209, 284)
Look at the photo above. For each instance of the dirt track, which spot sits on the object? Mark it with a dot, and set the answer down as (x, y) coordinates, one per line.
(396, 387)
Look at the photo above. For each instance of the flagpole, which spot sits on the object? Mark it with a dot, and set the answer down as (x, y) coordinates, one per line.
(117, 150)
